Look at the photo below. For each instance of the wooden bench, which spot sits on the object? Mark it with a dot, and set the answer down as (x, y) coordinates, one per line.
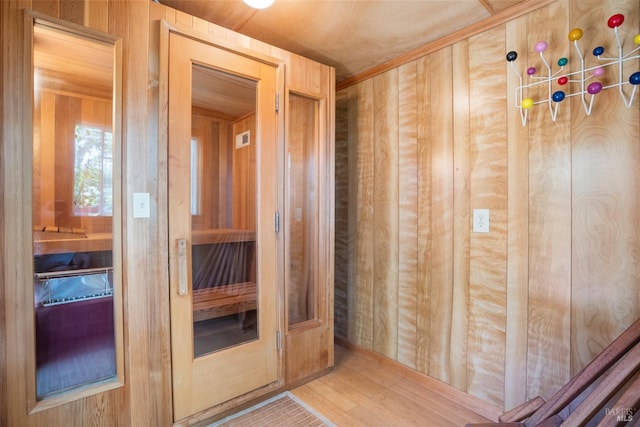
(613, 378)
(224, 300)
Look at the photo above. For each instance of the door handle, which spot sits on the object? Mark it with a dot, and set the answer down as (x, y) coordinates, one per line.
(183, 277)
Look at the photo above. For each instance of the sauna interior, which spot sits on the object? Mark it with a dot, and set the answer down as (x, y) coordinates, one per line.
(193, 218)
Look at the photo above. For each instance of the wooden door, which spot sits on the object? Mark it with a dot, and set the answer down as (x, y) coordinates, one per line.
(223, 245)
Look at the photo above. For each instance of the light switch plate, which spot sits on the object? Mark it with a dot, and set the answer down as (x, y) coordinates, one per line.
(481, 220)
(141, 205)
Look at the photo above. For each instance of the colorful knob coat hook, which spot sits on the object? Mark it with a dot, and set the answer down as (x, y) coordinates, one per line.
(527, 103)
(594, 88)
(542, 75)
(541, 46)
(575, 34)
(558, 96)
(615, 20)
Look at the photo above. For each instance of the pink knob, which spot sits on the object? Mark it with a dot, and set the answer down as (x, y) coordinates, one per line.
(541, 47)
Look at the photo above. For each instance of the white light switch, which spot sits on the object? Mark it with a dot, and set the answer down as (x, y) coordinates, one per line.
(481, 220)
(141, 208)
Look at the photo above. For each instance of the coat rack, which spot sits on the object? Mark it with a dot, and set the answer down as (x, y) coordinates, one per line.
(588, 78)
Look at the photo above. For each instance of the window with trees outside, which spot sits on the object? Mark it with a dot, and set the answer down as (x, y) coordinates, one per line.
(93, 176)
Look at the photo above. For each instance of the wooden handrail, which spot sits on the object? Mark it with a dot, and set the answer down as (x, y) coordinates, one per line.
(616, 368)
(610, 355)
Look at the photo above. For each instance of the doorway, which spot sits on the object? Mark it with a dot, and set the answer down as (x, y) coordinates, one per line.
(222, 197)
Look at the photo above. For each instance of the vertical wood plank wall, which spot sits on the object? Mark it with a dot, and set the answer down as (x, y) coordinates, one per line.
(214, 137)
(243, 181)
(146, 342)
(302, 182)
(53, 150)
(514, 313)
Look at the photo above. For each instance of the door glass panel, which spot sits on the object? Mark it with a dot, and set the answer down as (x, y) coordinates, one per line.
(223, 210)
(302, 208)
(73, 209)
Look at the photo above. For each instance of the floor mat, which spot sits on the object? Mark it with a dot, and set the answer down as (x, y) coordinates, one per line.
(282, 410)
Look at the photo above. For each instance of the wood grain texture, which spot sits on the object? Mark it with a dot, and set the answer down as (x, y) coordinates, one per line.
(44, 148)
(193, 391)
(140, 248)
(146, 396)
(424, 200)
(488, 188)
(55, 118)
(508, 315)
(500, 18)
(20, 378)
(361, 174)
(441, 141)
(15, 191)
(206, 132)
(518, 228)
(157, 131)
(341, 279)
(307, 353)
(315, 81)
(301, 203)
(243, 179)
(396, 395)
(72, 11)
(461, 214)
(4, 23)
(407, 213)
(549, 226)
(385, 214)
(499, 5)
(606, 199)
(96, 15)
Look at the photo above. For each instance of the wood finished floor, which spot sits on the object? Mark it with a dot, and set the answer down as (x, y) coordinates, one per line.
(365, 390)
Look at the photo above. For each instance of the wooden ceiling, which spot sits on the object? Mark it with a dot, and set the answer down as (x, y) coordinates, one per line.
(216, 91)
(69, 63)
(351, 35)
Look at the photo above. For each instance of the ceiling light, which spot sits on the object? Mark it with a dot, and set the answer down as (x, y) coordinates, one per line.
(259, 4)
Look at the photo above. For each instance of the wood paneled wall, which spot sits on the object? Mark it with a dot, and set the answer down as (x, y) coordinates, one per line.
(215, 137)
(514, 313)
(145, 398)
(243, 193)
(55, 118)
(301, 205)
(147, 370)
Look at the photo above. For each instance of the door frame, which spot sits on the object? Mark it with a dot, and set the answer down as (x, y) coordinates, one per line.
(163, 189)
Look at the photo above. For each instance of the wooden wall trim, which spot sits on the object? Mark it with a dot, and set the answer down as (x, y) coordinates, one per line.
(4, 22)
(479, 27)
(206, 36)
(473, 403)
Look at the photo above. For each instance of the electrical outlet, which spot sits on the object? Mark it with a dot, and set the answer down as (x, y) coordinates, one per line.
(481, 220)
